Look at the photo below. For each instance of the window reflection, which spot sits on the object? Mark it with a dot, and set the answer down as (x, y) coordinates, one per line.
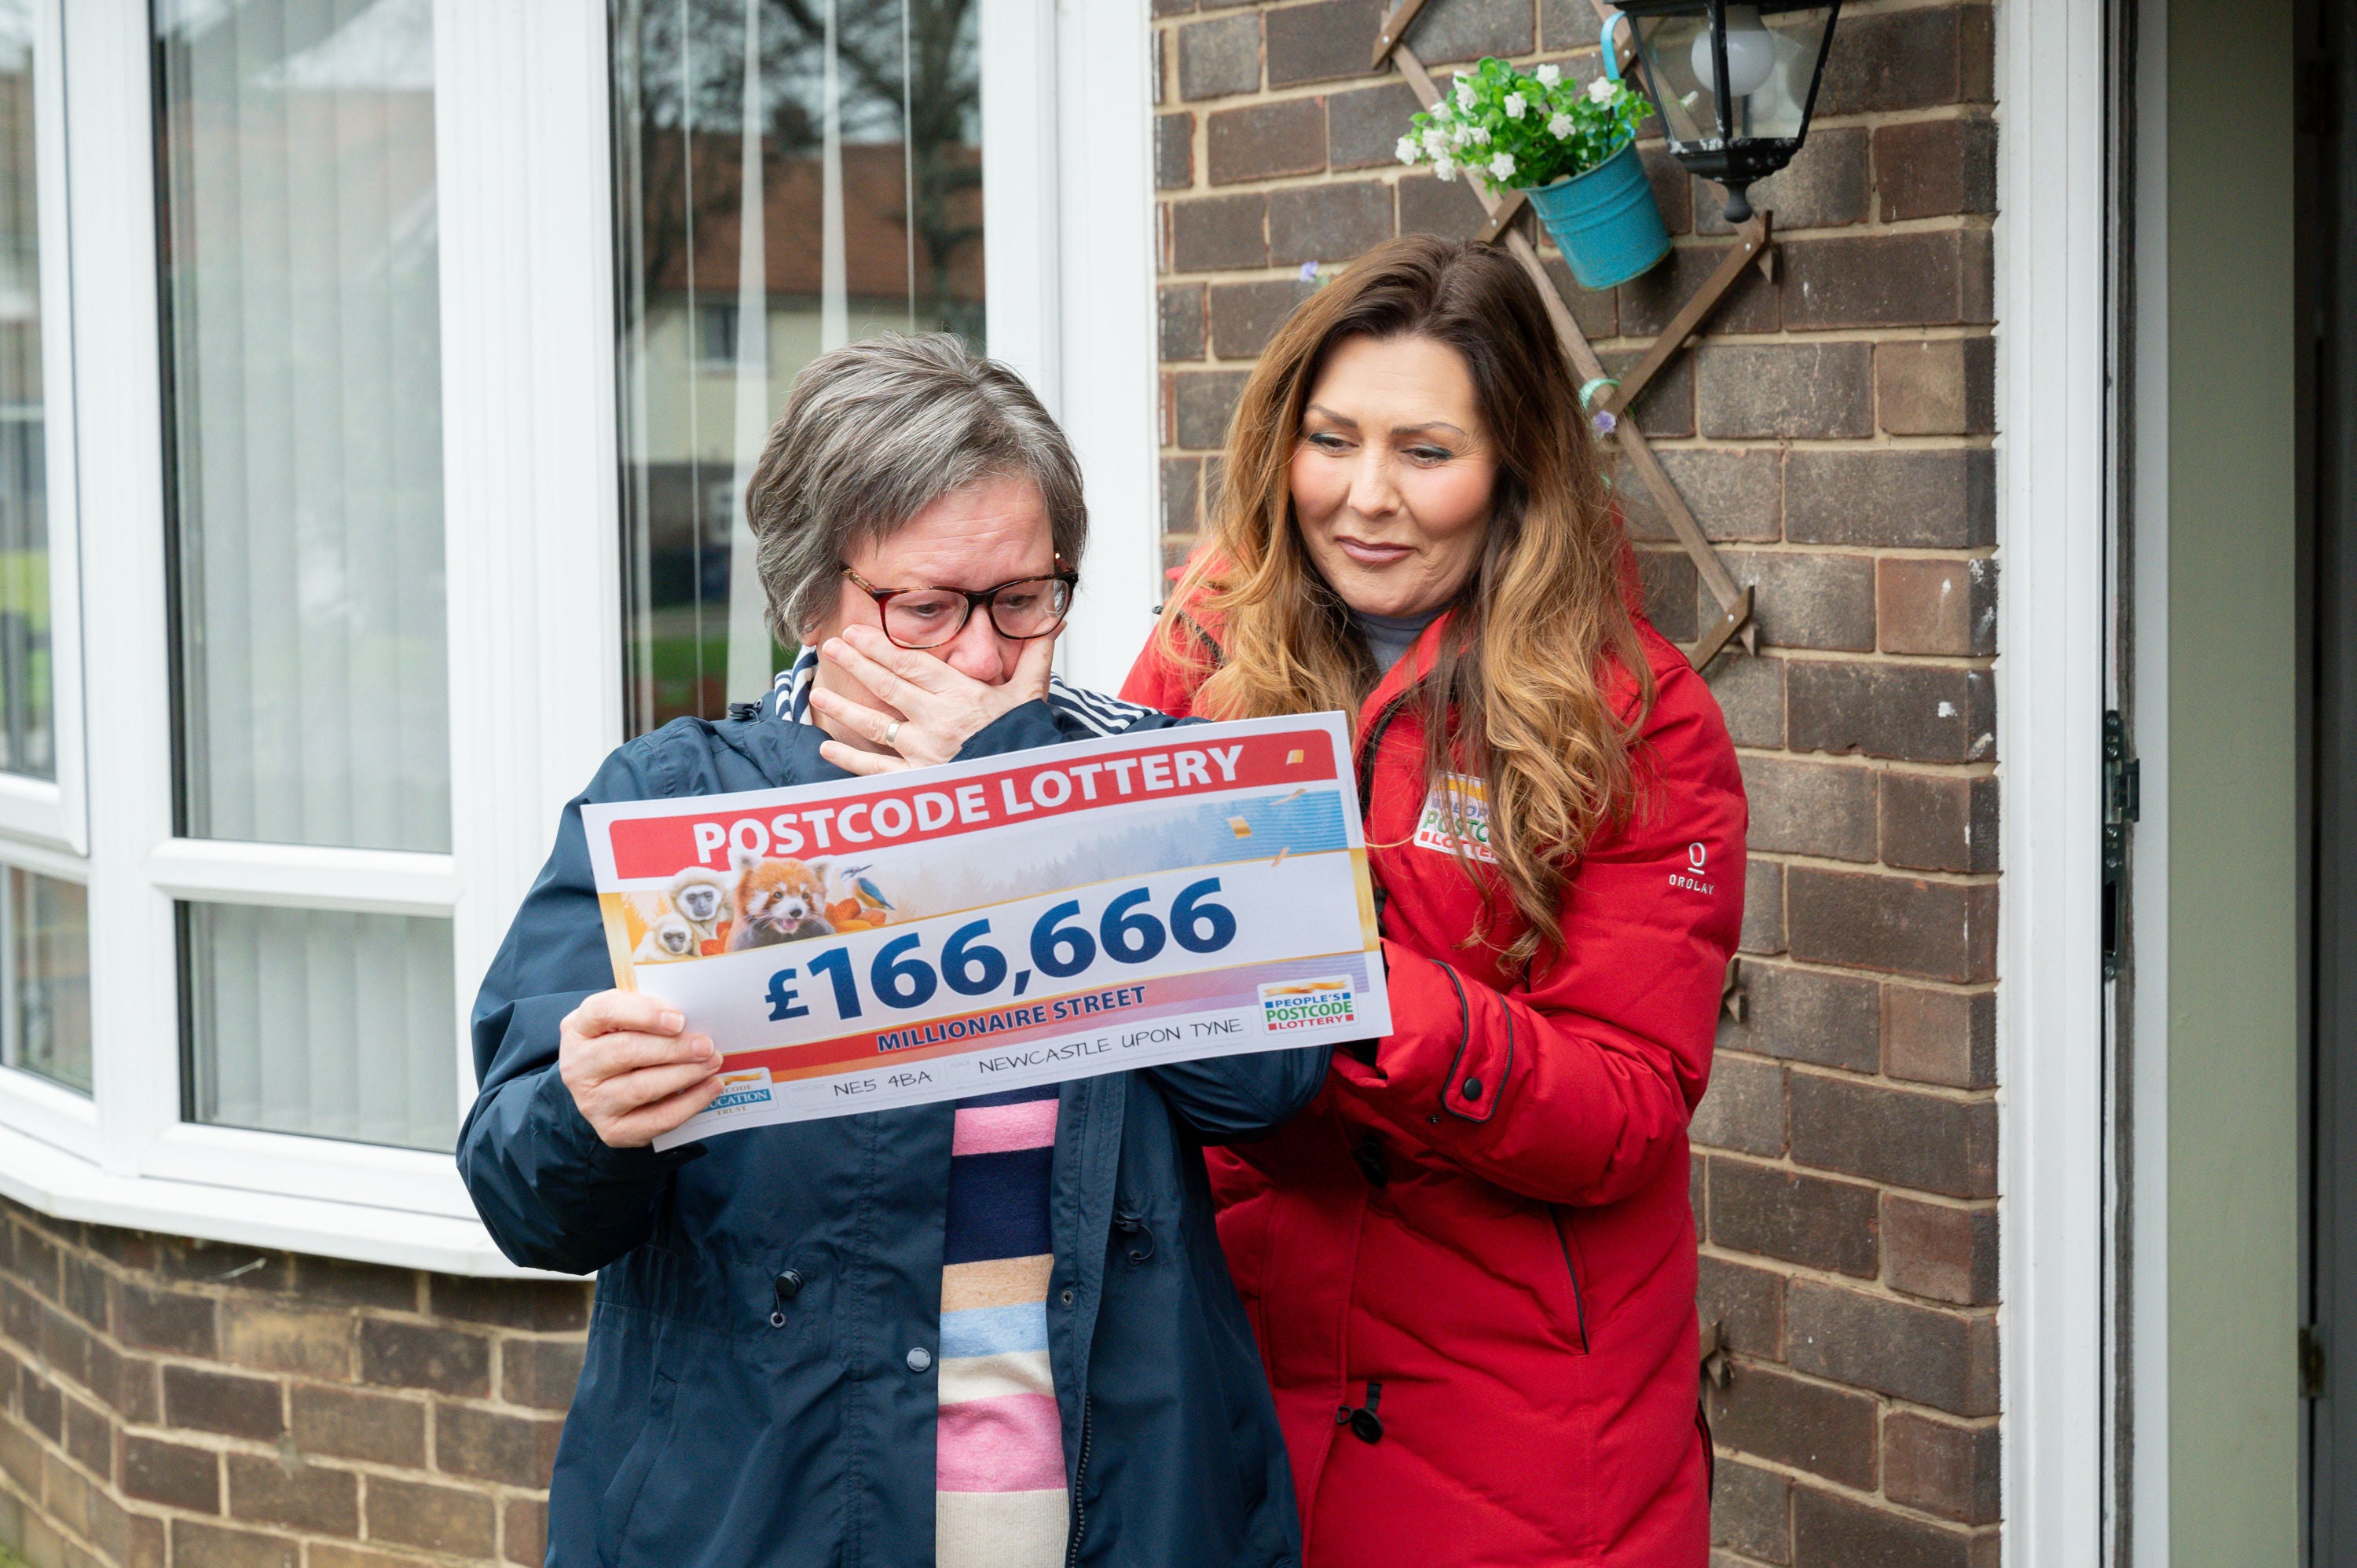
(859, 123)
(44, 978)
(27, 742)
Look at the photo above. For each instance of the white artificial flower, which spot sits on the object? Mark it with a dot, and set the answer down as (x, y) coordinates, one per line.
(1479, 135)
(1515, 105)
(1600, 91)
(1436, 140)
(1464, 94)
(1502, 165)
(1549, 75)
(1445, 167)
(1559, 127)
(1407, 150)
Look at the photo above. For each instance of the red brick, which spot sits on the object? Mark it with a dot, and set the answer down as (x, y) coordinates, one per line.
(1179, 318)
(1912, 498)
(1934, 821)
(89, 1437)
(1467, 29)
(1912, 713)
(1205, 400)
(1751, 1512)
(490, 1446)
(1933, 168)
(349, 1424)
(1936, 605)
(162, 1320)
(1941, 1467)
(1211, 232)
(34, 1259)
(172, 1473)
(1734, 495)
(65, 1344)
(1804, 1220)
(1750, 692)
(1806, 1015)
(1264, 141)
(1824, 808)
(1934, 930)
(1820, 600)
(188, 1261)
(424, 1356)
(41, 1404)
(1220, 58)
(1429, 205)
(1363, 125)
(1764, 920)
(1245, 315)
(1824, 187)
(206, 1401)
(1926, 1142)
(1174, 151)
(1882, 280)
(1673, 188)
(1668, 580)
(1746, 1304)
(20, 1456)
(1915, 1353)
(524, 1537)
(1831, 1530)
(126, 1383)
(1785, 1419)
(196, 1545)
(1936, 386)
(1939, 1250)
(1940, 1036)
(85, 1289)
(1784, 390)
(1665, 409)
(1906, 60)
(541, 1305)
(305, 1496)
(435, 1518)
(1596, 310)
(1744, 1110)
(1182, 480)
(1650, 300)
(274, 1339)
(1328, 223)
(1322, 42)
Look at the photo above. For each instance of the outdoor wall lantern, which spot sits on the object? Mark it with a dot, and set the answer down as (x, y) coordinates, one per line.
(1734, 83)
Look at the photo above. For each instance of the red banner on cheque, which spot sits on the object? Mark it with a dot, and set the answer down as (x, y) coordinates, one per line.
(1189, 892)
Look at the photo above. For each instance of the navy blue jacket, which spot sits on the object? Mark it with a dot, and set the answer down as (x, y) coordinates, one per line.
(727, 1415)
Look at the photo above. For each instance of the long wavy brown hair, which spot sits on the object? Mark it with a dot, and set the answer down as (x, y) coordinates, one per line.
(1518, 697)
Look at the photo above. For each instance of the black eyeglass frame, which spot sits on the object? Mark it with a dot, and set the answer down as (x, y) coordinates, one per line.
(984, 600)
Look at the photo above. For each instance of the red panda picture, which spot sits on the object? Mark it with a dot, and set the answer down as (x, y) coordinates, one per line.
(777, 901)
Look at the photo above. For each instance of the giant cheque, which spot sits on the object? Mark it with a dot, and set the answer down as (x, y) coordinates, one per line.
(850, 946)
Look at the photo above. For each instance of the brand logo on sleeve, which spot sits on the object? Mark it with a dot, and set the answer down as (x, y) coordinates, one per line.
(1692, 878)
(1291, 1005)
(741, 1091)
(1457, 811)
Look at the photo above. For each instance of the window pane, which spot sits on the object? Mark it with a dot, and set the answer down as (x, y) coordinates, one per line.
(44, 978)
(27, 742)
(337, 1026)
(304, 384)
(859, 122)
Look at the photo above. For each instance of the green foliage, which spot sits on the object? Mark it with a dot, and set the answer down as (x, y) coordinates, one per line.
(1522, 130)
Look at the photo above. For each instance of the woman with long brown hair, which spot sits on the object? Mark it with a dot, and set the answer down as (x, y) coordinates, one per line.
(1471, 1262)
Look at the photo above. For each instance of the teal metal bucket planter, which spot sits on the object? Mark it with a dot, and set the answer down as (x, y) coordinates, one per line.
(1605, 221)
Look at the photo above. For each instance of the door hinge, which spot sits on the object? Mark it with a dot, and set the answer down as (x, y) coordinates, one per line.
(2122, 803)
(2312, 1365)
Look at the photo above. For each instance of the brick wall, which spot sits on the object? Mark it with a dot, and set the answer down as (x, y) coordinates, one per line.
(166, 1403)
(1832, 434)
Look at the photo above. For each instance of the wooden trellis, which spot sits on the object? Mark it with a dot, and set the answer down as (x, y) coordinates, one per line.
(1753, 246)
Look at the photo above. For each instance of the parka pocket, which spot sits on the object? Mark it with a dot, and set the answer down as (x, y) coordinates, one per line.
(1571, 1271)
(621, 1499)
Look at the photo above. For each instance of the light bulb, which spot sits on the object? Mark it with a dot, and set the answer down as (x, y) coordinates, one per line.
(1750, 54)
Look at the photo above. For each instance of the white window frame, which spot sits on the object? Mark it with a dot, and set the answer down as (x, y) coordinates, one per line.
(532, 531)
(44, 823)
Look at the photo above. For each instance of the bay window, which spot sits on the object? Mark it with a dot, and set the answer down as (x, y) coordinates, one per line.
(376, 406)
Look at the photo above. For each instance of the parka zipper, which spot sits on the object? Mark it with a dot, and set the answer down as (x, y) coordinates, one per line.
(1080, 1478)
(1578, 1302)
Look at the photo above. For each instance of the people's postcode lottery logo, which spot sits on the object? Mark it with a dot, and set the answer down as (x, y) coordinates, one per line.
(742, 1090)
(1289, 1005)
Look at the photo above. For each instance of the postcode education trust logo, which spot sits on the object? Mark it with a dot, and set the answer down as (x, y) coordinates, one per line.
(742, 1091)
(1289, 1005)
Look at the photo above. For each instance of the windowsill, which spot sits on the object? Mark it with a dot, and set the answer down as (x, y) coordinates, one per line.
(65, 1186)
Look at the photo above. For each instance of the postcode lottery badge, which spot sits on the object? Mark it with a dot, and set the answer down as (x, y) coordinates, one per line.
(1440, 828)
(1290, 1004)
(741, 1091)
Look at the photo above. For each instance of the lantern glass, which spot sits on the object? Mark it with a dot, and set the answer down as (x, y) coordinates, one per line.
(1774, 53)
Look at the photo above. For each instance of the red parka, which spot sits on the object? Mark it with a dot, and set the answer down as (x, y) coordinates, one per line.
(1490, 1218)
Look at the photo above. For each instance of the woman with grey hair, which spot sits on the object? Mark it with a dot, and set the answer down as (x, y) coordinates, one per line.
(998, 1334)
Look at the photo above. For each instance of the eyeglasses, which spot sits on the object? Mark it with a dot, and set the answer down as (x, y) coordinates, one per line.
(927, 618)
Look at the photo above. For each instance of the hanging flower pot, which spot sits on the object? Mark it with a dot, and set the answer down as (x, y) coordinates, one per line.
(1571, 149)
(1605, 222)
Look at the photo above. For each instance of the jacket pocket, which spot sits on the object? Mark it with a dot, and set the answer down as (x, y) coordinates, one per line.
(1571, 1271)
(621, 1499)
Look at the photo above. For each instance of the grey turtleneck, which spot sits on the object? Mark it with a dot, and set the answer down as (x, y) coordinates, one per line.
(1390, 636)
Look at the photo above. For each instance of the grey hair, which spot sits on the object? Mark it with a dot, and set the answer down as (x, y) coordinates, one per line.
(874, 433)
